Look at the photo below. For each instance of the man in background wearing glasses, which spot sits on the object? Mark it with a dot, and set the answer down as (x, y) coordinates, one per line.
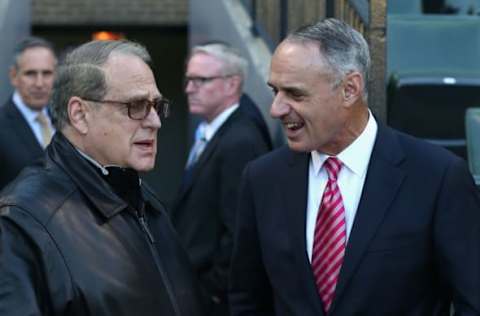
(226, 139)
(82, 235)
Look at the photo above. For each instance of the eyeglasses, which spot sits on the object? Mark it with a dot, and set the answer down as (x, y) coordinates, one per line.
(199, 81)
(139, 109)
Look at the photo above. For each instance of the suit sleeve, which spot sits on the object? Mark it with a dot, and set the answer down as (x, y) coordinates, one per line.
(235, 155)
(250, 291)
(457, 238)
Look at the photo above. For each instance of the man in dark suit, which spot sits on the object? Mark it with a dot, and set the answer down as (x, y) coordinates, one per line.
(25, 125)
(250, 108)
(352, 218)
(226, 140)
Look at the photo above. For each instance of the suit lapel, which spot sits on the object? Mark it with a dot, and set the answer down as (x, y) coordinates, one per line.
(295, 199)
(207, 153)
(382, 182)
(22, 129)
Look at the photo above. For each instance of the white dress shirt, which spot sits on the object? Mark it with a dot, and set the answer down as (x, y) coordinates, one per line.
(355, 159)
(204, 132)
(31, 117)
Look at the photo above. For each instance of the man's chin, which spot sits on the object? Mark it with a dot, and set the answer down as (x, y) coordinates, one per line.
(143, 167)
(37, 106)
(298, 146)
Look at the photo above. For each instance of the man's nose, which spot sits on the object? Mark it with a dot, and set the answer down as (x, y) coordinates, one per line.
(39, 80)
(189, 86)
(153, 119)
(279, 106)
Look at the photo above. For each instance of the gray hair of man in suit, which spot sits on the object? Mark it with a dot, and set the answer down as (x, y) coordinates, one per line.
(27, 43)
(32, 71)
(342, 47)
(81, 74)
(233, 62)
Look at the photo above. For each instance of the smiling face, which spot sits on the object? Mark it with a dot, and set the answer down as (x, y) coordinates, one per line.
(310, 104)
(112, 138)
(33, 76)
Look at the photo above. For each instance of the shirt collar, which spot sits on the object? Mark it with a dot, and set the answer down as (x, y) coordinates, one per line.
(29, 114)
(103, 170)
(213, 126)
(357, 155)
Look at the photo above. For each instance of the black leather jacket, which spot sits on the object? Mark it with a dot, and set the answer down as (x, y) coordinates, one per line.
(70, 246)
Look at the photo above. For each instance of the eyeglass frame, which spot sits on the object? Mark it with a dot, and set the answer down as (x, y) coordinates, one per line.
(165, 106)
(199, 81)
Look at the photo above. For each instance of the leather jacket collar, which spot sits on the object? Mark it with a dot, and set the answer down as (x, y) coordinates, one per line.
(63, 154)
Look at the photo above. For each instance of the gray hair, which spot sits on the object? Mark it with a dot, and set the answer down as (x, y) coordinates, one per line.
(233, 62)
(81, 74)
(342, 47)
(28, 43)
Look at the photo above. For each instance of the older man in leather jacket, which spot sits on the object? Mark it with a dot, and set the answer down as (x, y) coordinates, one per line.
(81, 234)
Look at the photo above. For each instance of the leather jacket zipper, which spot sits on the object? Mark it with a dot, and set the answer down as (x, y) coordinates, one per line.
(145, 228)
(151, 243)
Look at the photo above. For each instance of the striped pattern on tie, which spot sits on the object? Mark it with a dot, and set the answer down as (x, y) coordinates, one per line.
(330, 236)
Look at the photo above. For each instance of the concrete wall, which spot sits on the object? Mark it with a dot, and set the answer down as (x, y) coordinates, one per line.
(232, 24)
(108, 12)
(14, 25)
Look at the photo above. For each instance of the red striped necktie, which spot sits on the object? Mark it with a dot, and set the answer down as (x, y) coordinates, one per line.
(330, 236)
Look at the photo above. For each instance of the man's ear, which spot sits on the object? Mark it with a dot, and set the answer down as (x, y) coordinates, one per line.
(352, 88)
(233, 84)
(78, 112)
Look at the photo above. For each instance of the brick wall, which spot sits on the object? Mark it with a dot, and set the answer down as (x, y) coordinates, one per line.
(109, 12)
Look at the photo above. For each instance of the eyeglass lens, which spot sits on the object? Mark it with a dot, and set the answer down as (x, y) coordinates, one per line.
(139, 110)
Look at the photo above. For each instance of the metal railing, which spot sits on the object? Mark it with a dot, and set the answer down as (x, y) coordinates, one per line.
(272, 18)
(354, 12)
(260, 26)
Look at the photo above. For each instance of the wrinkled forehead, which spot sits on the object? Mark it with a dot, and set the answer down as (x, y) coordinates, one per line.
(37, 56)
(129, 74)
(298, 59)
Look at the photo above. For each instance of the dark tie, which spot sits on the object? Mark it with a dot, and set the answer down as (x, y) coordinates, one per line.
(330, 236)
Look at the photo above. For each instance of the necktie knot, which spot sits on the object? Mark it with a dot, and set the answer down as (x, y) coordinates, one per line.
(200, 133)
(333, 166)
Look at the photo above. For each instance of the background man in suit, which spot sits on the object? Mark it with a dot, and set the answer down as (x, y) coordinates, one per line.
(352, 218)
(226, 140)
(25, 125)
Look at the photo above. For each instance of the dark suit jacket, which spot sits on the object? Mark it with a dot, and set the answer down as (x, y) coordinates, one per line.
(18, 145)
(250, 108)
(414, 246)
(203, 212)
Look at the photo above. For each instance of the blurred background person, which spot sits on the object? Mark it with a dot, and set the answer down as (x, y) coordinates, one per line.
(227, 138)
(26, 128)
